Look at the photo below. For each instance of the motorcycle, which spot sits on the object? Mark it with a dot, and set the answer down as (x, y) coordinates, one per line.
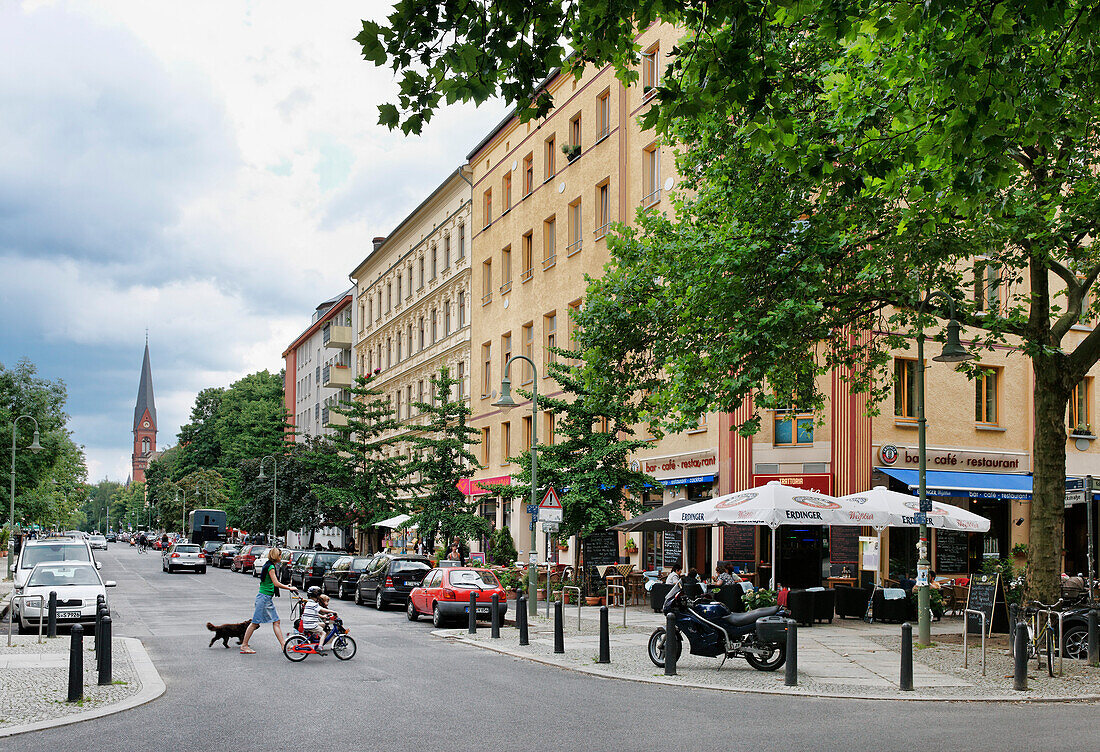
(712, 630)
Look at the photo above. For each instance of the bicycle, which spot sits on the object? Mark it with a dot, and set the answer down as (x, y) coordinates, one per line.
(298, 645)
(1042, 637)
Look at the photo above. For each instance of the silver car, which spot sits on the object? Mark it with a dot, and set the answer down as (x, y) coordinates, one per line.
(261, 559)
(77, 585)
(183, 556)
(36, 552)
(98, 541)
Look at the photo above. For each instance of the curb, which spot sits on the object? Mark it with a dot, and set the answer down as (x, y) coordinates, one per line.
(905, 697)
(152, 687)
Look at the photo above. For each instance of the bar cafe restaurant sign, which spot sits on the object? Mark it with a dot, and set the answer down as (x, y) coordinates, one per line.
(896, 455)
(679, 469)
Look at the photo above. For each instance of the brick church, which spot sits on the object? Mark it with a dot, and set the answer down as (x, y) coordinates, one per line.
(145, 422)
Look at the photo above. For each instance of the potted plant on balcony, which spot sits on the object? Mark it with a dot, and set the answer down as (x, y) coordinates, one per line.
(571, 151)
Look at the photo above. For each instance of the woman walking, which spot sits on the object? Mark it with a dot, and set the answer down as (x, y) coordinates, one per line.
(264, 612)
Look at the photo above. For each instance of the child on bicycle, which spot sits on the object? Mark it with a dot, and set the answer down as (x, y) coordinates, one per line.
(312, 611)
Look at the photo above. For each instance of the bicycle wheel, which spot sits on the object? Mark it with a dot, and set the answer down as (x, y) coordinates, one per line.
(292, 648)
(343, 647)
(1050, 652)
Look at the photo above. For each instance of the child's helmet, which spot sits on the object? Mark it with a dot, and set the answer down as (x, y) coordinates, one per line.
(313, 591)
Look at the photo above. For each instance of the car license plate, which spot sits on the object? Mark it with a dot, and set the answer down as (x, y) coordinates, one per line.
(68, 614)
(482, 609)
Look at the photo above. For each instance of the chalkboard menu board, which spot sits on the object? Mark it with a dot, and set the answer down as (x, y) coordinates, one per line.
(673, 548)
(951, 552)
(739, 543)
(601, 548)
(987, 595)
(843, 550)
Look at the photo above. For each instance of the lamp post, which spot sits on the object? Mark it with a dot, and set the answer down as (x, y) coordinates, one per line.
(183, 510)
(34, 447)
(953, 352)
(274, 490)
(506, 403)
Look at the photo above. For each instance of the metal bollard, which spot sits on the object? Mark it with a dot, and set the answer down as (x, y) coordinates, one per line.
(605, 638)
(906, 657)
(100, 615)
(104, 664)
(1019, 651)
(495, 617)
(472, 623)
(51, 625)
(1013, 620)
(790, 670)
(76, 664)
(672, 645)
(559, 634)
(521, 620)
(1094, 638)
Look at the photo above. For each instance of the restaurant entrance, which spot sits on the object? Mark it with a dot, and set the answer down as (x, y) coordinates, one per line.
(800, 553)
(1076, 537)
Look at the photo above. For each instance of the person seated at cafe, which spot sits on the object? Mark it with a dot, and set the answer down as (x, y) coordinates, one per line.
(725, 575)
(932, 581)
(675, 575)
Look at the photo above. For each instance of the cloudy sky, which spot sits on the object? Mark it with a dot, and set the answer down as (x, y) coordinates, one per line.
(209, 170)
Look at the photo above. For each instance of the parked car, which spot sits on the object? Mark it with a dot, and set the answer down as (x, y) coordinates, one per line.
(223, 557)
(77, 585)
(445, 594)
(310, 569)
(209, 548)
(112, 538)
(244, 559)
(343, 578)
(98, 541)
(50, 549)
(259, 558)
(289, 557)
(183, 556)
(390, 578)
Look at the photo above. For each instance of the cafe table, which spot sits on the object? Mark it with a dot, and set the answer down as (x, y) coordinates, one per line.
(834, 581)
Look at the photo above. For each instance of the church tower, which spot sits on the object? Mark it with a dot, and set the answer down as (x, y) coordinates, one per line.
(145, 421)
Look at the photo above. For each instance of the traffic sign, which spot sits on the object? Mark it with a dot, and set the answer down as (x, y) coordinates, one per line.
(920, 518)
(550, 514)
(1075, 497)
(531, 509)
(550, 500)
(926, 504)
(550, 527)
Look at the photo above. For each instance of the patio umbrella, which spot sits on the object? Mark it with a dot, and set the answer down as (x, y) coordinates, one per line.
(653, 521)
(899, 509)
(773, 505)
(395, 522)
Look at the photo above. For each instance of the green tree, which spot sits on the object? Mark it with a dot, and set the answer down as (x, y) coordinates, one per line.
(363, 480)
(441, 511)
(903, 141)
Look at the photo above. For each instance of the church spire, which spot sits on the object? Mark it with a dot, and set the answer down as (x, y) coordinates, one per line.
(145, 399)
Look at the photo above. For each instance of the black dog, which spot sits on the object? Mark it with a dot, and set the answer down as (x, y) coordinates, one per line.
(225, 631)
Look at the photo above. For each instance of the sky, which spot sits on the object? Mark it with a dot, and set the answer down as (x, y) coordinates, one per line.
(209, 171)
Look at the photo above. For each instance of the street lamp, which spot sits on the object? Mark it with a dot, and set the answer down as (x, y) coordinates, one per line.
(274, 490)
(507, 403)
(953, 352)
(34, 447)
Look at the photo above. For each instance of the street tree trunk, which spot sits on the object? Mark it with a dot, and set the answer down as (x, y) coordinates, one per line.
(1049, 484)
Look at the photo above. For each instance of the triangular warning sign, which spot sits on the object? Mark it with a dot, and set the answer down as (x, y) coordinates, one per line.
(550, 500)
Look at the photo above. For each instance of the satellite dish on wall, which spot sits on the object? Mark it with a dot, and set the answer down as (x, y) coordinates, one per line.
(669, 183)
(515, 164)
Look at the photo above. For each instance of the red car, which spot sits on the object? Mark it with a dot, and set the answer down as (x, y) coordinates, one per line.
(245, 559)
(445, 594)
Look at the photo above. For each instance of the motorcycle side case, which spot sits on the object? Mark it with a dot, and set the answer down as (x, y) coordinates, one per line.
(771, 628)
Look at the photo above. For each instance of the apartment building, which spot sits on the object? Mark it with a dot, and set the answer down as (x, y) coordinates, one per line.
(412, 295)
(544, 194)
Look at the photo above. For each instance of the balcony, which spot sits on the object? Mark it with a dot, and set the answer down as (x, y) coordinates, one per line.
(339, 337)
(336, 377)
(334, 418)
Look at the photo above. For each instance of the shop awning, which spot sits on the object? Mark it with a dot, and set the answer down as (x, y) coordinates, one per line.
(655, 520)
(955, 483)
(474, 487)
(685, 481)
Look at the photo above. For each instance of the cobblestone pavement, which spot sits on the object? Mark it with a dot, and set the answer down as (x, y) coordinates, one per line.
(845, 659)
(34, 679)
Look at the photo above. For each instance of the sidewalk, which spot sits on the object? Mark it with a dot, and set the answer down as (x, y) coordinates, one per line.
(849, 659)
(34, 682)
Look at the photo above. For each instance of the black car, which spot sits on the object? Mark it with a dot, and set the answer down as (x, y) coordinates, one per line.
(390, 578)
(341, 580)
(310, 570)
(209, 549)
(223, 557)
(283, 568)
(112, 538)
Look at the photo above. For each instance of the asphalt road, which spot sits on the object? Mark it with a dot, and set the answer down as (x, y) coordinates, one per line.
(407, 690)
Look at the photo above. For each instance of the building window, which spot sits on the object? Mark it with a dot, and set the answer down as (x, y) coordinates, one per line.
(487, 370)
(447, 251)
(389, 297)
(397, 405)
(550, 321)
(398, 348)
(1080, 408)
(389, 352)
(651, 175)
(505, 350)
(575, 137)
(548, 157)
(603, 208)
(574, 229)
(603, 114)
(987, 286)
(446, 317)
(486, 281)
(487, 206)
(461, 378)
(793, 428)
(649, 71)
(505, 442)
(461, 241)
(985, 396)
(574, 308)
(528, 174)
(410, 292)
(410, 333)
(485, 436)
(506, 269)
(435, 326)
(549, 243)
(435, 261)
(421, 261)
(145, 445)
(421, 332)
(409, 401)
(461, 309)
(527, 261)
(905, 388)
(527, 433)
(506, 192)
(528, 344)
(420, 391)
